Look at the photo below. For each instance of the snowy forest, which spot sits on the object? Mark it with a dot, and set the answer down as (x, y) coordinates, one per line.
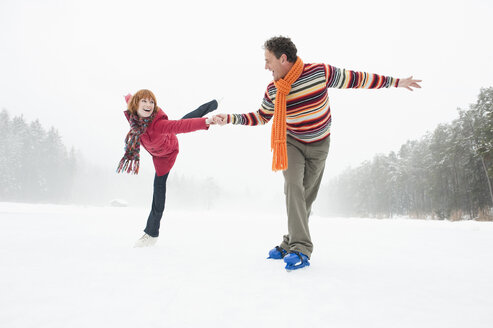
(35, 165)
(447, 174)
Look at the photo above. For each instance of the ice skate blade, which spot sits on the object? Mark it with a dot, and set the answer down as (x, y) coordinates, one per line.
(292, 267)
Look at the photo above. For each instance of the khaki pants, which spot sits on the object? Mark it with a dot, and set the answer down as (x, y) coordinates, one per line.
(306, 163)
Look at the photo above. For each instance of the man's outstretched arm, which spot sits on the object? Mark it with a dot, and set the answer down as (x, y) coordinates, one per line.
(341, 78)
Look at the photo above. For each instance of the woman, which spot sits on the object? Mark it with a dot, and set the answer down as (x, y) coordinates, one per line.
(150, 126)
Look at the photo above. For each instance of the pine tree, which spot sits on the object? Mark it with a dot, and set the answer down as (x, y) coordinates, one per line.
(483, 133)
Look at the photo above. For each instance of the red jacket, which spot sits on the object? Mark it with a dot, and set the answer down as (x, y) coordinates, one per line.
(160, 138)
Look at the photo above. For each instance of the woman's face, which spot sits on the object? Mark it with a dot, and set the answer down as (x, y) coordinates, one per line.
(146, 107)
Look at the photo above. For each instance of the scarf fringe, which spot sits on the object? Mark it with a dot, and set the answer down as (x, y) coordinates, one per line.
(280, 160)
(130, 166)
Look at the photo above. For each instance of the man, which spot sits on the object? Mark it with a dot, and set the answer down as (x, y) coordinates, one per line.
(298, 101)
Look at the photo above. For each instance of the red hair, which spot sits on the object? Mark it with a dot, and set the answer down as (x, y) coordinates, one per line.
(133, 103)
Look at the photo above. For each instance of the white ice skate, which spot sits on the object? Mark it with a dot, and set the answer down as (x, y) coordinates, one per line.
(146, 241)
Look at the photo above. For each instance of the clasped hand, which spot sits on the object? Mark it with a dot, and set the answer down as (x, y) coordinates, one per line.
(219, 119)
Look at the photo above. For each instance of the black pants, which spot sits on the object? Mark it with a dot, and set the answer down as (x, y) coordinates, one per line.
(159, 196)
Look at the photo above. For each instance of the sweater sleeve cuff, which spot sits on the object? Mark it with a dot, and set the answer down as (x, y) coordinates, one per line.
(396, 83)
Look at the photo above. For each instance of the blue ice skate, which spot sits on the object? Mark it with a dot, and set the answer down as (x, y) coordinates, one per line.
(296, 260)
(277, 253)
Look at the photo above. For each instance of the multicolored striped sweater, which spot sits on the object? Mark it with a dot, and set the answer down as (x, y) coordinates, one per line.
(308, 115)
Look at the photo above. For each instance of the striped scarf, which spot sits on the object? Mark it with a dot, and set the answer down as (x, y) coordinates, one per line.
(131, 160)
(278, 136)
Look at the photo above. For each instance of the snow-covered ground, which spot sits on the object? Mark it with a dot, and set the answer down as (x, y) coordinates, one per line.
(69, 266)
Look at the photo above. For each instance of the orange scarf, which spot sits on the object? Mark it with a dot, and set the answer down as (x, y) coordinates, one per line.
(278, 137)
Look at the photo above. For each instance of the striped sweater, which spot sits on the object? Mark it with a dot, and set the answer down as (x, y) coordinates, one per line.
(308, 115)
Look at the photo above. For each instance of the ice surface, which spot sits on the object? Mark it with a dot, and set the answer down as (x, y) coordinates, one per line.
(68, 266)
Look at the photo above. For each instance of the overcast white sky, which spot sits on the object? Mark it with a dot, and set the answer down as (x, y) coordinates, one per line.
(69, 63)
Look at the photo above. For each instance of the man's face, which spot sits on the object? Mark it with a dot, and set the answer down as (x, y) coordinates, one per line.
(276, 66)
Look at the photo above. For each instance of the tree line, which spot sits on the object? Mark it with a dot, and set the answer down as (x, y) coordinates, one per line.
(35, 165)
(447, 174)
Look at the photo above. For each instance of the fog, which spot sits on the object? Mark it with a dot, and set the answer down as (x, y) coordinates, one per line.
(69, 64)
